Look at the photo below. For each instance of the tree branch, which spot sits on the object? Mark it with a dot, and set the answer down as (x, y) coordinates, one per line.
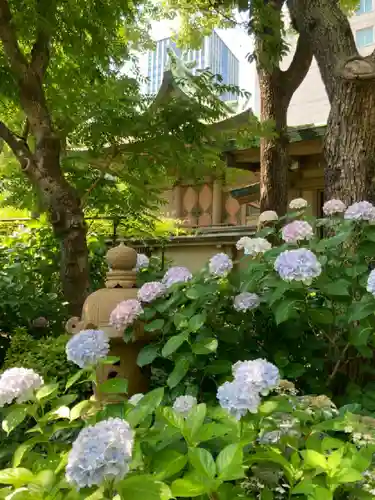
(40, 53)
(19, 147)
(298, 68)
(16, 58)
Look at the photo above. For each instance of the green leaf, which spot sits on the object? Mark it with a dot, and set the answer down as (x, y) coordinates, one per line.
(322, 494)
(321, 316)
(229, 463)
(167, 463)
(17, 477)
(210, 431)
(205, 346)
(173, 344)
(78, 409)
(74, 378)
(114, 386)
(173, 418)
(156, 325)
(347, 476)
(143, 487)
(195, 292)
(145, 407)
(147, 355)
(196, 322)
(314, 460)
(285, 310)
(47, 390)
(219, 366)
(188, 487)
(360, 336)
(24, 448)
(336, 288)
(194, 421)
(362, 309)
(14, 419)
(180, 370)
(203, 462)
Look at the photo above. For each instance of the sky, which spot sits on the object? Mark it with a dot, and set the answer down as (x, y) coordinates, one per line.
(237, 41)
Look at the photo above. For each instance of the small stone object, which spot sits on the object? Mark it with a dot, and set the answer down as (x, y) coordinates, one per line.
(18, 384)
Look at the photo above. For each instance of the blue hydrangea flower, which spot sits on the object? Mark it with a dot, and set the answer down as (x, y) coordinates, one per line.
(264, 376)
(151, 291)
(298, 265)
(251, 380)
(246, 301)
(183, 404)
(176, 274)
(238, 398)
(142, 262)
(101, 452)
(220, 264)
(87, 348)
(371, 283)
(18, 384)
(362, 210)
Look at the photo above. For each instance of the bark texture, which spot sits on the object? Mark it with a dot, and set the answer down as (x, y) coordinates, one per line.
(42, 164)
(276, 90)
(349, 79)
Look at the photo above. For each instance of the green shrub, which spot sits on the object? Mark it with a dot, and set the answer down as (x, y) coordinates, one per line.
(46, 356)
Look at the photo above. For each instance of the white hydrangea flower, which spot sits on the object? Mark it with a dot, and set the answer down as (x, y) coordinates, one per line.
(135, 399)
(87, 348)
(246, 301)
(125, 313)
(363, 210)
(176, 274)
(298, 265)
(220, 264)
(151, 291)
(296, 231)
(332, 207)
(371, 283)
(253, 246)
(142, 262)
(298, 204)
(261, 374)
(18, 384)
(268, 216)
(183, 404)
(101, 452)
(238, 398)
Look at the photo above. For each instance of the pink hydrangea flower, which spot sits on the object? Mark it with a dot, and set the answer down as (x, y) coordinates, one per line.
(151, 291)
(125, 313)
(296, 231)
(332, 207)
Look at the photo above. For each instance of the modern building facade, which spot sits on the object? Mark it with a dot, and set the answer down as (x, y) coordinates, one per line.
(213, 55)
(310, 104)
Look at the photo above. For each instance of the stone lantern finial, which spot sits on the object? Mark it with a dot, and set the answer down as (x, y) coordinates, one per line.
(122, 261)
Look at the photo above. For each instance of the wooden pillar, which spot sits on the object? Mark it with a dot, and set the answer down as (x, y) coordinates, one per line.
(178, 200)
(217, 202)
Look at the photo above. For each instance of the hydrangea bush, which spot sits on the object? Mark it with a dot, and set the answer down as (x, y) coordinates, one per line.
(259, 440)
(306, 303)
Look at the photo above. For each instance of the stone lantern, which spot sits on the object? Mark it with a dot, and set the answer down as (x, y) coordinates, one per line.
(120, 285)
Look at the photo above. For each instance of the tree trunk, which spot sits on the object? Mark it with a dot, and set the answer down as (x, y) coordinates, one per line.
(67, 220)
(349, 145)
(274, 158)
(276, 91)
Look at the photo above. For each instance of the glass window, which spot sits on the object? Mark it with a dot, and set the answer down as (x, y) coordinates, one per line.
(365, 6)
(364, 37)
